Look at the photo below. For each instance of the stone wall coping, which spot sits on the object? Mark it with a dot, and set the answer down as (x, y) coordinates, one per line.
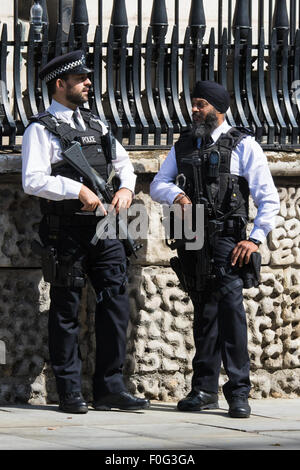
(150, 161)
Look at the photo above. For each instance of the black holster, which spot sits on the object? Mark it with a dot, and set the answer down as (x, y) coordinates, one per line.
(69, 273)
(49, 260)
(250, 273)
(59, 271)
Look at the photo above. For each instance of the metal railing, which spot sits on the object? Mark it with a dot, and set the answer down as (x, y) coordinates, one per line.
(142, 88)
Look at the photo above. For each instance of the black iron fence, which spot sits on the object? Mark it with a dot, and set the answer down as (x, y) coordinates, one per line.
(142, 88)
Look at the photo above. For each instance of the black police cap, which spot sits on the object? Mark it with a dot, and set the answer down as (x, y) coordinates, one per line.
(73, 62)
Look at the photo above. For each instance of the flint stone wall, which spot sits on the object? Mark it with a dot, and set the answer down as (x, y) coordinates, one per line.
(160, 341)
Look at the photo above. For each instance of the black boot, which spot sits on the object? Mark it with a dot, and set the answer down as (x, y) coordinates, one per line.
(72, 402)
(198, 400)
(239, 407)
(122, 400)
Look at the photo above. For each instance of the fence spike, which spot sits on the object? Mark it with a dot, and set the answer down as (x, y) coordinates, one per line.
(159, 19)
(119, 19)
(280, 20)
(80, 19)
(197, 20)
(45, 18)
(241, 19)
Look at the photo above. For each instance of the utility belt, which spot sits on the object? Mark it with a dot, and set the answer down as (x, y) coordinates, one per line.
(70, 271)
(249, 276)
(60, 208)
(231, 227)
(75, 220)
(60, 271)
(208, 276)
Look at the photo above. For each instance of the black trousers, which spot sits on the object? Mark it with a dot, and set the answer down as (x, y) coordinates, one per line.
(105, 266)
(220, 329)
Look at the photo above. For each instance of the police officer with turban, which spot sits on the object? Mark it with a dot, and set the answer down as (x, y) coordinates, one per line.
(220, 166)
(71, 211)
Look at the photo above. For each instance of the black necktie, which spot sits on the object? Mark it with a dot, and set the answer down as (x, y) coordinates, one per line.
(77, 123)
(207, 141)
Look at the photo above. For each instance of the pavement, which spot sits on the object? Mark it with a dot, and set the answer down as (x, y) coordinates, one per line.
(274, 425)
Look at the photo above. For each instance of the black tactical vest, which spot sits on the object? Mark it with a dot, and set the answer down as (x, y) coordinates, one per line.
(206, 179)
(94, 146)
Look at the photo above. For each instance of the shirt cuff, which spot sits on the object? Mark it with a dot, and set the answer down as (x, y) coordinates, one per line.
(258, 234)
(128, 185)
(173, 193)
(73, 189)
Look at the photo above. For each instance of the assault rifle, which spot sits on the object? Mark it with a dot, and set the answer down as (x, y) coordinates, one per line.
(75, 157)
(204, 270)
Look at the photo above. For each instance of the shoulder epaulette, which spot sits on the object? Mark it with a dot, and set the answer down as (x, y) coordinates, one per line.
(87, 116)
(88, 113)
(37, 117)
(46, 119)
(244, 130)
(237, 134)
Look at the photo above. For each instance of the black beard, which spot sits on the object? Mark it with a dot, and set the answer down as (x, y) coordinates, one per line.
(75, 98)
(203, 129)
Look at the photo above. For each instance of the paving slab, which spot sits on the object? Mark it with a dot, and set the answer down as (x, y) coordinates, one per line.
(274, 425)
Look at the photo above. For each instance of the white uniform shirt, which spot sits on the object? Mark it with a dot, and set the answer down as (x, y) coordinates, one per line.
(247, 160)
(41, 149)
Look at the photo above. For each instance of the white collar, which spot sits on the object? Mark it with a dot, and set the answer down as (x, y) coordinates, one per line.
(222, 129)
(60, 111)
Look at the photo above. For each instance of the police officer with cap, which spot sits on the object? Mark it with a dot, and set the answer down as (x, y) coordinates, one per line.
(218, 165)
(71, 211)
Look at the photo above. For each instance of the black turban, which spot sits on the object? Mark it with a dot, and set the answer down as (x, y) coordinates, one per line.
(214, 93)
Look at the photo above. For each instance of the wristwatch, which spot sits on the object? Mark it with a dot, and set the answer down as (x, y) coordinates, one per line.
(253, 240)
